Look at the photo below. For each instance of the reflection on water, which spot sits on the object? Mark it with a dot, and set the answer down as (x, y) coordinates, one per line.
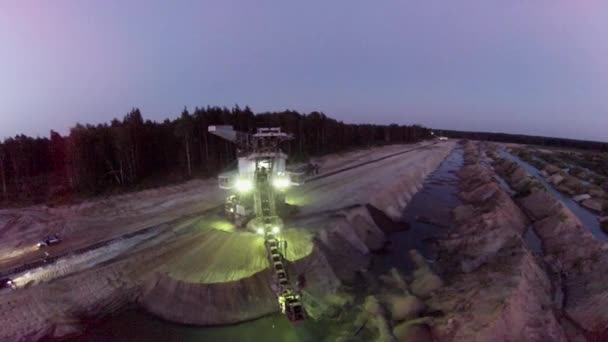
(505, 186)
(533, 241)
(588, 218)
(434, 202)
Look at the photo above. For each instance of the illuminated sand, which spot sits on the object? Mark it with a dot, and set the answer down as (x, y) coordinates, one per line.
(215, 256)
(220, 277)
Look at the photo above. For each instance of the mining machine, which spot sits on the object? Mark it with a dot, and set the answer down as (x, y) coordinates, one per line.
(256, 196)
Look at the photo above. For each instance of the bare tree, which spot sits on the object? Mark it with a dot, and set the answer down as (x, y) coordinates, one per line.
(184, 130)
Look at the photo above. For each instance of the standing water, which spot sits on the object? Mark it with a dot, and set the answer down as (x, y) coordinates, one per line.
(588, 219)
(530, 237)
(428, 214)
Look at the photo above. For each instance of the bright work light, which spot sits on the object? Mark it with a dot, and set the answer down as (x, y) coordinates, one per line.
(281, 182)
(276, 230)
(260, 231)
(243, 185)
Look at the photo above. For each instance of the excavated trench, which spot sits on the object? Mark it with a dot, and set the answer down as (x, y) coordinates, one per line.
(530, 237)
(426, 217)
(574, 254)
(588, 218)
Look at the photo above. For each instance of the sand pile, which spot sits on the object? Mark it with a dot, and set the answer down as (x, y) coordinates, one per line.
(497, 290)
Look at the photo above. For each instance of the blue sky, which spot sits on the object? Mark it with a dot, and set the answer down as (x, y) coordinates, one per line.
(531, 67)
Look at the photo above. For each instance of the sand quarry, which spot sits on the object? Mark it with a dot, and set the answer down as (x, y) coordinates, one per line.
(514, 264)
(169, 250)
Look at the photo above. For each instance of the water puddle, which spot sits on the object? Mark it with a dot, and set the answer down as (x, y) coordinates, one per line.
(504, 185)
(588, 218)
(487, 162)
(533, 241)
(428, 214)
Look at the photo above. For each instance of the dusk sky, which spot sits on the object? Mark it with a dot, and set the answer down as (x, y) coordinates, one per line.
(532, 67)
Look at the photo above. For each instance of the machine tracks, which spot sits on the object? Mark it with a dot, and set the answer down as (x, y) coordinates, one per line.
(289, 299)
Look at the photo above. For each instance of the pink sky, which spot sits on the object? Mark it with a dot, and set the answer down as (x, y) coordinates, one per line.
(532, 67)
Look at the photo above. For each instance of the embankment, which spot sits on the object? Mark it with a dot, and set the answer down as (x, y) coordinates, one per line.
(497, 289)
(579, 259)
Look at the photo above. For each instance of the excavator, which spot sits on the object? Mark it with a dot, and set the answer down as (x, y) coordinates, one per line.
(257, 191)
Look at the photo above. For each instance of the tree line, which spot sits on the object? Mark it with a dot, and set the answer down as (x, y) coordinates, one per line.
(134, 153)
(528, 140)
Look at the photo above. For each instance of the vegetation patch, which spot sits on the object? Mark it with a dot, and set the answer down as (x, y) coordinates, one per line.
(531, 186)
